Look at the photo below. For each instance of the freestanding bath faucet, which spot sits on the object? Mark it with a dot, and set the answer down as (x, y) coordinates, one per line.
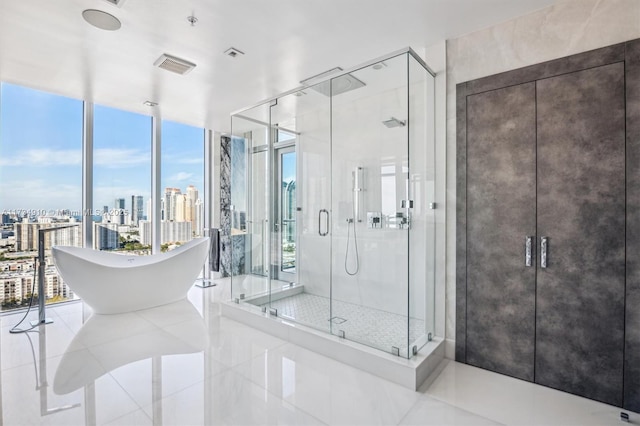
(42, 319)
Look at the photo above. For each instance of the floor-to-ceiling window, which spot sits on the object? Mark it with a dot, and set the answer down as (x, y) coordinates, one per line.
(182, 171)
(121, 181)
(41, 184)
(40, 188)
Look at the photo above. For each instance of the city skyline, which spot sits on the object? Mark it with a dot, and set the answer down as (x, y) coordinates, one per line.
(41, 164)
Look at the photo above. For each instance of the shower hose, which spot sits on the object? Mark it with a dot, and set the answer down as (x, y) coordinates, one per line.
(352, 222)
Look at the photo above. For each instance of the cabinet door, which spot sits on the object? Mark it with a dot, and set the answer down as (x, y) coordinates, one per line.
(581, 209)
(501, 200)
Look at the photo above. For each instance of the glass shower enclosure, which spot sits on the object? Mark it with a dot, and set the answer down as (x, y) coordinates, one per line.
(332, 198)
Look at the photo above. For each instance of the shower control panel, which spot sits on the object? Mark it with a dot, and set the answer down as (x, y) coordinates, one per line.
(374, 220)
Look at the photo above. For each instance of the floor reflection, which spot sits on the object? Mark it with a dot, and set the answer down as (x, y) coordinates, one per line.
(107, 342)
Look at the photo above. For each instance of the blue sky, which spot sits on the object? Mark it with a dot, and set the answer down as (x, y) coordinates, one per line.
(41, 152)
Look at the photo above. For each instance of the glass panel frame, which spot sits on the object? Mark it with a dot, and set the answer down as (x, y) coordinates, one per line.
(250, 239)
(392, 155)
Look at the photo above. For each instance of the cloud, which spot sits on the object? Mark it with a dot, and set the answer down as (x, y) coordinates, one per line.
(40, 194)
(190, 161)
(44, 157)
(180, 176)
(112, 158)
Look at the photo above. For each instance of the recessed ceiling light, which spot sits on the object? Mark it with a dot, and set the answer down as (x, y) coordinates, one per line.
(102, 20)
(379, 65)
(233, 52)
(150, 103)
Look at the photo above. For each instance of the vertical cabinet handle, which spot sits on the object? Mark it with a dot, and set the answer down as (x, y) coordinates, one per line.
(528, 246)
(326, 222)
(544, 248)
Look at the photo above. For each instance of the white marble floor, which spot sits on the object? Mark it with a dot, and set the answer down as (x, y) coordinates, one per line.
(184, 364)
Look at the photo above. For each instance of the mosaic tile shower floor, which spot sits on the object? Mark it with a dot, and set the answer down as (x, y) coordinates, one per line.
(373, 327)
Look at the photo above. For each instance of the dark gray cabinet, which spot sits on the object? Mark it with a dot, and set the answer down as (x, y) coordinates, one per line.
(581, 208)
(501, 170)
(543, 152)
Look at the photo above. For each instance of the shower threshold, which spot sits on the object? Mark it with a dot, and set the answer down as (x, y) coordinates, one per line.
(301, 318)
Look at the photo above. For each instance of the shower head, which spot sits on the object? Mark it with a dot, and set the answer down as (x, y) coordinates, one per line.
(338, 85)
(394, 122)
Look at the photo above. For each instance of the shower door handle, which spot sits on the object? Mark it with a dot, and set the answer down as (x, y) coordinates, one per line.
(326, 222)
(544, 248)
(528, 247)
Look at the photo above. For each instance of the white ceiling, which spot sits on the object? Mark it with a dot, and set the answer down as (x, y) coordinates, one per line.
(46, 44)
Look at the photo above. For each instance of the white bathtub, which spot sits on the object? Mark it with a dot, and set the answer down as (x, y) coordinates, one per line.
(114, 283)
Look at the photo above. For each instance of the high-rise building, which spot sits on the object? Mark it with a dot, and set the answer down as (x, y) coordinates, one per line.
(289, 210)
(199, 221)
(181, 208)
(190, 205)
(170, 232)
(27, 235)
(170, 195)
(137, 209)
(106, 236)
(118, 214)
(144, 227)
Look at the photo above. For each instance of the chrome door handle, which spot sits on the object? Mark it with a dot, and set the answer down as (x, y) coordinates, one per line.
(326, 232)
(528, 245)
(544, 248)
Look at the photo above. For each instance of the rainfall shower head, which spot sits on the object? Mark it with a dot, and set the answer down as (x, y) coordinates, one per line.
(338, 85)
(394, 122)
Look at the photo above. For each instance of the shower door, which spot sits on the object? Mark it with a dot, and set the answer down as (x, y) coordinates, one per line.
(301, 239)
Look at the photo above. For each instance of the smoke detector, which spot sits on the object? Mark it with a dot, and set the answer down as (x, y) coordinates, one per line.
(173, 64)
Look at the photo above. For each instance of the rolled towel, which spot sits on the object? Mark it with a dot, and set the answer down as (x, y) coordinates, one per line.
(214, 255)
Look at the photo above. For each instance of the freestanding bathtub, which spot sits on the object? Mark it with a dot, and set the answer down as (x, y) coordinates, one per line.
(115, 283)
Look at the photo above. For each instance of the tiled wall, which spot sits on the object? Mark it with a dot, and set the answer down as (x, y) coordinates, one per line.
(568, 27)
(228, 243)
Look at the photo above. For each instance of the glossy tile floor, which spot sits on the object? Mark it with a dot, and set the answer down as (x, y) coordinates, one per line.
(184, 364)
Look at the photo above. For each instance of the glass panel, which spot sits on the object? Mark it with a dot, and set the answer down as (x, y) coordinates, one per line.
(422, 188)
(250, 198)
(302, 154)
(370, 226)
(183, 182)
(40, 188)
(287, 216)
(121, 176)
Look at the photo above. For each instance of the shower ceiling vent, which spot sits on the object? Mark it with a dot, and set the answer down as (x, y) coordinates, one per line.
(173, 64)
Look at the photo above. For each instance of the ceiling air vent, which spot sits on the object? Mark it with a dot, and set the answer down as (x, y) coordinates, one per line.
(173, 64)
(118, 3)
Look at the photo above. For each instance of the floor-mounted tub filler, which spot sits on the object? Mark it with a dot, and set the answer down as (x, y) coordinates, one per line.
(114, 283)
